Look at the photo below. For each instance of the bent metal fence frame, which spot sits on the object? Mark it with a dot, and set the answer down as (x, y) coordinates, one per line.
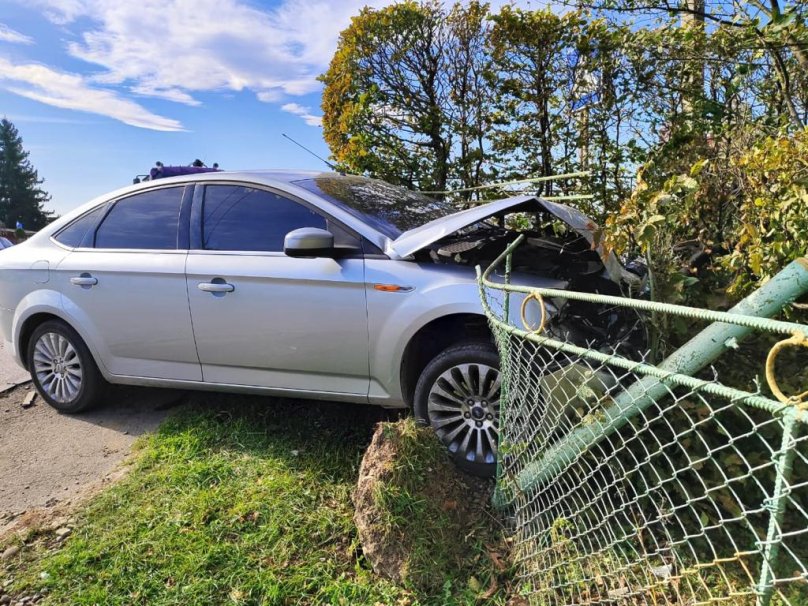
(637, 483)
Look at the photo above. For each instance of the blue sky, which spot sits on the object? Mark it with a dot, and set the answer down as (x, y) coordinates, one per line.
(101, 89)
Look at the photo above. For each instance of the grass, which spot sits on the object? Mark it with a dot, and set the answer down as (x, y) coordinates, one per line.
(233, 501)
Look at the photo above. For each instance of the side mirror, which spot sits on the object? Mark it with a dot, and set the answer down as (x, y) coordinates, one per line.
(309, 242)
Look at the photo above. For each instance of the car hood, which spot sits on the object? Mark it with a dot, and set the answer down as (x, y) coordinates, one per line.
(415, 239)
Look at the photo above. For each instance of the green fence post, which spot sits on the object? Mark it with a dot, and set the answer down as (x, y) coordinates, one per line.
(784, 459)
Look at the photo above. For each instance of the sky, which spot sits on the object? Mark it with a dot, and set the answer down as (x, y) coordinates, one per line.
(102, 89)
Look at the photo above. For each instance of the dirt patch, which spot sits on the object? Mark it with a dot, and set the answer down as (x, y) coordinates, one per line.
(420, 520)
(49, 460)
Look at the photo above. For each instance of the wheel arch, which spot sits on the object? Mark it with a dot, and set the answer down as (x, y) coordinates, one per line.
(434, 337)
(29, 325)
(35, 316)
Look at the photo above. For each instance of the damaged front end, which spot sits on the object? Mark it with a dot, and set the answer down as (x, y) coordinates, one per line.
(559, 244)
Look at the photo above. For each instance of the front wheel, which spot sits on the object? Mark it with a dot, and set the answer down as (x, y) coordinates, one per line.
(458, 396)
(62, 368)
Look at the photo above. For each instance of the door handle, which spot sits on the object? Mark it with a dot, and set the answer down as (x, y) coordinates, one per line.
(215, 287)
(84, 280)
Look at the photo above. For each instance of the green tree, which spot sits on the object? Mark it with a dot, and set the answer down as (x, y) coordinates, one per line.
(21, 197)
(565, 90)
(770, 34)
(385, 98)
(406, 96)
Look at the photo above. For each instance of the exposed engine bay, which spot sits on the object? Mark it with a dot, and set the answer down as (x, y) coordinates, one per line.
(559, 244)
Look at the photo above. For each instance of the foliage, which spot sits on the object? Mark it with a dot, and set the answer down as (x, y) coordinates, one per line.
(21, 197)
(386, 95)
(772, 42)
(433, 97)
(772, 224)
(727, 225)
(706, 102)
(562, 99)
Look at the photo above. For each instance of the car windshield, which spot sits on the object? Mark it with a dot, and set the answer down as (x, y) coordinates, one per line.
(390, 209)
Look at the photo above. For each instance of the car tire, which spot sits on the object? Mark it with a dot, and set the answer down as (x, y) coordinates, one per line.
(62, 368)
(457, 395)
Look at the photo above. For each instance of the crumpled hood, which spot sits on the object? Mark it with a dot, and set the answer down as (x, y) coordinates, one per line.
(415, 239)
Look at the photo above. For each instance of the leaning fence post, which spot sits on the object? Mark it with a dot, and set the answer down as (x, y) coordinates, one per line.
(784, 459)
(693, 356)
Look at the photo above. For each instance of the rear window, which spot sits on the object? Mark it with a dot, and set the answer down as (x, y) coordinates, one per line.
(147, 221)
(79, 232)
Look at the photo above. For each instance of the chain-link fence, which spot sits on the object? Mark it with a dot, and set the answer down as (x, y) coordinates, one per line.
(635, 483)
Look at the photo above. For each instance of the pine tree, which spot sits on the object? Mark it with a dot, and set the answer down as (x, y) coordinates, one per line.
(21, 197)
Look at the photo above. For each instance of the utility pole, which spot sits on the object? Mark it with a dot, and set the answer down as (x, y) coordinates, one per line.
(693, 19)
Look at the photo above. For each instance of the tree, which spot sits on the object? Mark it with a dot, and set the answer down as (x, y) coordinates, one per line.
(385, 94)
(772, 30)
(21, 197)
(436, 98)
(565, 100)
(406, 98)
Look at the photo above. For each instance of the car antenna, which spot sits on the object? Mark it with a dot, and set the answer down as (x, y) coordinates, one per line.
(331, 166)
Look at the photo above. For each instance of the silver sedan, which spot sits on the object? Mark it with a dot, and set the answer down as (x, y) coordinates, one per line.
(313, 285)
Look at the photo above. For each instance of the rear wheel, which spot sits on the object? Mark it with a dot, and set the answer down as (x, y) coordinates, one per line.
(458, 396)
(62, 368)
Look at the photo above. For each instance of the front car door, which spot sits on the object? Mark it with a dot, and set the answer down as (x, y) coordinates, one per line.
(124, 284)
(263, 319)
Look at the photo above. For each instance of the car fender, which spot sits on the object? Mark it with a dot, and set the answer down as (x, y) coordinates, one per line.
(52, 302)
(427, 292)
(391, 328)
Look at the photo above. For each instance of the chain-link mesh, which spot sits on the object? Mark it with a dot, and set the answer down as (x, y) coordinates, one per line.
(630, 489)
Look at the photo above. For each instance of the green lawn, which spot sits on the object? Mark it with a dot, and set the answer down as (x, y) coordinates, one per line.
(233, 501)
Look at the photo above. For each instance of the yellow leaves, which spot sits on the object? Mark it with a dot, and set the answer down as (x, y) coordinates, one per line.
(756, 262)
(699, 166)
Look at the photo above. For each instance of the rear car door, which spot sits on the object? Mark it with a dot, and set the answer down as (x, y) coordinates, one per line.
(264, 319)
(124, 284)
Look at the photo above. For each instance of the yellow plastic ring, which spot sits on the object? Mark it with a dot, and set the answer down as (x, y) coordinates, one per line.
(796, 340)
(538, 298)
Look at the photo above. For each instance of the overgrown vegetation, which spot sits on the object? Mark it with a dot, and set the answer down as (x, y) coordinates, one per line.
(236, 501)
(689, 115)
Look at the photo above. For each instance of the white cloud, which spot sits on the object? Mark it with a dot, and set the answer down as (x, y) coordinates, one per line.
(9, 35)
(303, 112)
(72, 91)
(171, 49)
(176, 49)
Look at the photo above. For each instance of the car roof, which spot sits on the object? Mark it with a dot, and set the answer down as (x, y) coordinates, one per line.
(279, 175)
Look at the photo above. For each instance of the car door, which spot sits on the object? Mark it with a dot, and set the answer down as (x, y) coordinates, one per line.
(124, 284)
(264, 319)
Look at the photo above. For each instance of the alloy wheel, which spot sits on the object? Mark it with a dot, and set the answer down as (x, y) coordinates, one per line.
(463, 406)
(57, 366)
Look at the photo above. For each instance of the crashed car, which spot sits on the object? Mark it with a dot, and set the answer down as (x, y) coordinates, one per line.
(303, 284)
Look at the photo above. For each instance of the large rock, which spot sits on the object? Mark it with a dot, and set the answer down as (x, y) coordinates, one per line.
(419, 519)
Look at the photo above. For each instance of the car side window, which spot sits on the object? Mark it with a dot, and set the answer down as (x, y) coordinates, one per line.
(147, 221)
(242, 218)
(79, 232)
